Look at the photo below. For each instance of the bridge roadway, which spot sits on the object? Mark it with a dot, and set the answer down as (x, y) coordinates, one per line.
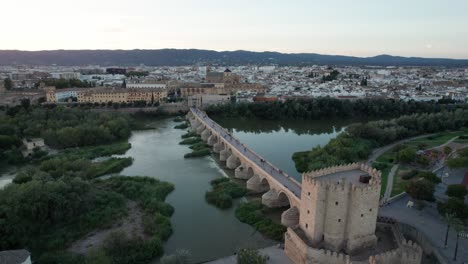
(279, 175)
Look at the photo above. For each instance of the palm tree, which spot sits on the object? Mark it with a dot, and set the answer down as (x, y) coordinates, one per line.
(451, 220)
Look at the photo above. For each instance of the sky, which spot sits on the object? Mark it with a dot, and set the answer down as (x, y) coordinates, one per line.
(423, 28)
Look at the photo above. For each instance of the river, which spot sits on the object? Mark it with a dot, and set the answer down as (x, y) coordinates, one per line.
(207, 232)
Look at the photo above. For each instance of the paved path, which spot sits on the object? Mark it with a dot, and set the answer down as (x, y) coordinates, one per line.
(429, 222)
(388, 190)
(283, 178)
(275, 254)
(379, 151)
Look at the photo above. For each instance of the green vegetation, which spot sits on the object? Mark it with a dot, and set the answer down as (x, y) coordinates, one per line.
(223, 192)
(182, 126)
(460, 161)
(454, 206)
(189, 135)
(71, 83)
(331, 77)
(254, 214)
(359, 139)
(93, 152)
(326, 107)
(429, 176)
(421, 190)
(250, 256)
(46, 215)
(137, 74)
(8, 83)
(179, 119)
(198, 153)
(65, 127)
(385, 171)
(406, 155)
(457, 191)
(199, 146)
(191, 141)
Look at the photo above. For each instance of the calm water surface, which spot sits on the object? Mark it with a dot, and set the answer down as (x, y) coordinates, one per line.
(204, 230)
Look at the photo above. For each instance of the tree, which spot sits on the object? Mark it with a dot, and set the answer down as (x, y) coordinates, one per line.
(454, 206)
(450, 220)
(8, 83)
(430, 176)
(457, 191)
(406, 155)
(25, 103)
(421, 190)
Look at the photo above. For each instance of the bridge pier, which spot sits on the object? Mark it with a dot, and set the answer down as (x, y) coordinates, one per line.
(224, 155)
(232, 162)
(200, 129)
(212, 140)
(256, 185)
(272, 199)
(290, 217)
(205, 134)
(241, 173)
(217, 147)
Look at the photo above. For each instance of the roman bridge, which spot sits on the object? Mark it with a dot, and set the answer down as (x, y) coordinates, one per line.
(280, 190)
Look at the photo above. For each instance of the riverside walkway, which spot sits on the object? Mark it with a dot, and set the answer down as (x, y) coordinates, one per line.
(283, 178)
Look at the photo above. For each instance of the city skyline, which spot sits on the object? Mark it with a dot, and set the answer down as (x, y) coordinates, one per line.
(364, 28)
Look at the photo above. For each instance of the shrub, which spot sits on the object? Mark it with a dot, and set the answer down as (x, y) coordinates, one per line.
(421, 190)
(198, 153)
(250, 256)
(224, 190)
(182, 126)
(409, 175)
(189, 134)
(454, 206)
(447, 150)
(406, 155)
(427, 175)
(457, 191)
(252, 213)
(180, 257)
(190, 141)
(380, 166)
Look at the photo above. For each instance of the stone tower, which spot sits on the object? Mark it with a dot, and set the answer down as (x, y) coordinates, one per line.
(339, 207)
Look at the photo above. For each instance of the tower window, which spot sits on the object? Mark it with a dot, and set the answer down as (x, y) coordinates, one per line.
(308, 212)
(339, 220)
(362, 215)
(336, 203)
(308, 193)
(307, 225)
(370, 210)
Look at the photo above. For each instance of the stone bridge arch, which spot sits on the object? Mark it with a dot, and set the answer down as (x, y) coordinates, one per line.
(244, 172)
(233, 161)
(257, 184)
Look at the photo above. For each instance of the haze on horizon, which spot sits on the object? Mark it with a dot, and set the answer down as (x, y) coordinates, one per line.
(423, 28)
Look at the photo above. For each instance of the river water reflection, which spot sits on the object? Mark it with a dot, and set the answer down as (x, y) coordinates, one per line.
(204, 230)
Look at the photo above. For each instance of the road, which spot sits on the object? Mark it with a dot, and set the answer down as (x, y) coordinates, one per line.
(429, 222)
(279, 175)
(388, 190)
(379, 151)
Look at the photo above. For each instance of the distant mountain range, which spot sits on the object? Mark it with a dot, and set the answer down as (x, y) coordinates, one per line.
(178, 57)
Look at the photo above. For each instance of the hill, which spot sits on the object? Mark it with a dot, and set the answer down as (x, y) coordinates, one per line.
(177, 57)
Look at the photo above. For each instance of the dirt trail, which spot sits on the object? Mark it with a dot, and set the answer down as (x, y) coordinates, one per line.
(132, 224)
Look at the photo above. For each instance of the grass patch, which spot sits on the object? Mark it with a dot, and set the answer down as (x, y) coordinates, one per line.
(198, 153)
(191, 141)
(402, 178)
(223, 192)
(189, 135)
(199, 146)
(182, 126)
(93, 152)
(385, 169)
(254, 214)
